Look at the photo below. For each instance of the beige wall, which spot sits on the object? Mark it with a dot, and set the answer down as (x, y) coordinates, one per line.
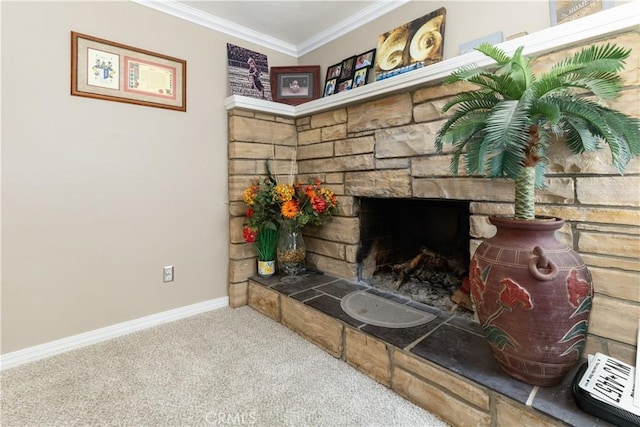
(98, 196)
(465, 21)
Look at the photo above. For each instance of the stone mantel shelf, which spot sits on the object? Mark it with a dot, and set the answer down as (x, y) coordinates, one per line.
(610, 21)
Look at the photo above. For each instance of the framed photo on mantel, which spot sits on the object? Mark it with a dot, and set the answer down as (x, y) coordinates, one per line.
(568, 10)
(296, 84)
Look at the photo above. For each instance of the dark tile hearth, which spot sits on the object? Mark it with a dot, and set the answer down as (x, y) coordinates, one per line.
(471, 359)
(331, 306)
(453, 342)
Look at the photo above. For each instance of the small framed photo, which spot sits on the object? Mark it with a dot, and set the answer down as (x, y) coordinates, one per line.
(365, 60)
(333, 72)
(347, 68)
(360, 77)
(344, 86)
(295, 85)
(330, 87)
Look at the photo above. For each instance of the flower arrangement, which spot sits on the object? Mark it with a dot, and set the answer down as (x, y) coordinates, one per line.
(304, 204)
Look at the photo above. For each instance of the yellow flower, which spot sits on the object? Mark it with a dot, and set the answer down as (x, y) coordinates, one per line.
(328, 196)
(249, 195)
(284, 192)
(289, 209)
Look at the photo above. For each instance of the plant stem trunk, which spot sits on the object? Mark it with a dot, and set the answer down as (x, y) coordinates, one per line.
(525, 193)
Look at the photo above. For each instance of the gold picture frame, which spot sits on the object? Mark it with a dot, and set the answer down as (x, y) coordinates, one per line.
(414, 45)
(103, 69)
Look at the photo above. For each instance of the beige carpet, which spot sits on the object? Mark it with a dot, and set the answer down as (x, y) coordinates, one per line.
(225, 367)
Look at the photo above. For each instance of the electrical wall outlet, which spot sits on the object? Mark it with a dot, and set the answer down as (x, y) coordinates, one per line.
(168, 273)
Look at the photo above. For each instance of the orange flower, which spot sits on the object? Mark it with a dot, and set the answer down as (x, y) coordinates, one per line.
(289, 209)
(311, 194)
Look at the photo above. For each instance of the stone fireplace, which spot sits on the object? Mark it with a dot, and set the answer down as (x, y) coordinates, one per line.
(379, 146)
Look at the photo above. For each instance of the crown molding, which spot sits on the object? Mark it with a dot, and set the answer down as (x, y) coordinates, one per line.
(364, 16)
(196, 16)
(593, 27)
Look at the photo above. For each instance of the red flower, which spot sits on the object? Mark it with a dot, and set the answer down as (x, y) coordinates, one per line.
(250, 213)
(249, 234)
(319, 205)
(513, 294)
(477, 285)
(577, 289)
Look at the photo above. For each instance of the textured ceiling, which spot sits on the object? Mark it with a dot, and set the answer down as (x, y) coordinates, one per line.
(291, 27)
(289, 21)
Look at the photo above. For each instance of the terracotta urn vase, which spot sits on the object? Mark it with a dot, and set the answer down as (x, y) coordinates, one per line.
(533, 298)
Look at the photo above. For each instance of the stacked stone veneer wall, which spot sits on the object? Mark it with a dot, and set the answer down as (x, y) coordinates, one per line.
(384, 148)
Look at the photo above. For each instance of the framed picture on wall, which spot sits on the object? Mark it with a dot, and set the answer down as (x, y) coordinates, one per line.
(104, 69)
(295, 85)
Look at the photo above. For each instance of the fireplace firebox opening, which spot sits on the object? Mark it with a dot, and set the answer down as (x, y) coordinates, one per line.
(418, 248)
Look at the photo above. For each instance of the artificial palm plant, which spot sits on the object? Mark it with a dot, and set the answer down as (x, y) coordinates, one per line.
(504, 128)
(532, 294)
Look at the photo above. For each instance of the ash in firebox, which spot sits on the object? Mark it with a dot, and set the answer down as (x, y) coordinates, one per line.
(433, 288)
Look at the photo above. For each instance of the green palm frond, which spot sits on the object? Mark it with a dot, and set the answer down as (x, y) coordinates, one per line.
(628, 128)
(463, 129)
(495, 53)
(503, 84)
(447, 132)
(478, 100)
(548, 85)
(620, 132)
(541, 171)
(504, 127)
(592, 60)
(475, 156)
(577, 136)
(543, 111)
(520, 70)
(607, 87)
(462, 74)
(505, 162)
(508, 125)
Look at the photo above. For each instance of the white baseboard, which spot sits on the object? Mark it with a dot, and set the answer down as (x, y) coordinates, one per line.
(31, 354)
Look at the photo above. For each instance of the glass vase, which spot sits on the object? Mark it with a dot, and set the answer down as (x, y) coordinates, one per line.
(291, 250)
